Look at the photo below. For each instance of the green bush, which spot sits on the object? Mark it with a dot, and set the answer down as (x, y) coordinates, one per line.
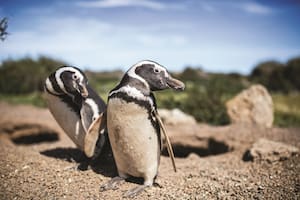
(292, 72)
(286, 109)
(26, 75)
(103, 82)
(283, 119)
(278, 77)
(35, 98)
(205, 95)
(21, 81)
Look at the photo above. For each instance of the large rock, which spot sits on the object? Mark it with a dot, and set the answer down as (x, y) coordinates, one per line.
(267, 150)
(175, 117)
(253, 105)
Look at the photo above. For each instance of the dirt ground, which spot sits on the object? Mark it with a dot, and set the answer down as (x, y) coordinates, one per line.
(38, 159)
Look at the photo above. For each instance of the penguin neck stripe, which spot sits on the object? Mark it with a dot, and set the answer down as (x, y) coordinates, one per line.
(49, 87)
(59, 81)
(93, 106)
(54, 84)
(132, 92)
(142, 103)
(52, 92)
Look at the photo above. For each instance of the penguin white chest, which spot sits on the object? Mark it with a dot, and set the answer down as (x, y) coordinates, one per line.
(133, 138)
(67, 119)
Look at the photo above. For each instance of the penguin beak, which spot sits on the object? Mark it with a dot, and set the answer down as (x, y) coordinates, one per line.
(82, 90)
(175, 84)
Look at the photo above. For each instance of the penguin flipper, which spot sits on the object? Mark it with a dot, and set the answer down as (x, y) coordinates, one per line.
(91, 137)
(86, 115)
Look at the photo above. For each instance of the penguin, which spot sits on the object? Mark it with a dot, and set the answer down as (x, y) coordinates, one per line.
(77, 109)
(133, 125)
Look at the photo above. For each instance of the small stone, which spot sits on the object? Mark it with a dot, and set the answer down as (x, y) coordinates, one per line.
(175, 117)
(25, 167)
(260, 187)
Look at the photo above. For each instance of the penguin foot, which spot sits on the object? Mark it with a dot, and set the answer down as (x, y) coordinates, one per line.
(72, 167)
(79, 167)
(135, 191)
(83, 166)
(112, 184)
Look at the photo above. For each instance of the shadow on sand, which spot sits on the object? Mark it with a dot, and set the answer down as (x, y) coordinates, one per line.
(103, 164)
(213, 147)
(44, 136)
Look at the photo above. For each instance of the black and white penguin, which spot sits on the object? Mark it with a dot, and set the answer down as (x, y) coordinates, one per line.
(77, 108)
(133, 127)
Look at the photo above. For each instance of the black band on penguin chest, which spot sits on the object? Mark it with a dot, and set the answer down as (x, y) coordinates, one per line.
(142, 103)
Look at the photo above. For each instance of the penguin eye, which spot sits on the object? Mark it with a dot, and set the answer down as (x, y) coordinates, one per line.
(75, 77)
(156, 70)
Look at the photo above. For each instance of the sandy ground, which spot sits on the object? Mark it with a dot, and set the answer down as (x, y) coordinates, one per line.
(37, 162)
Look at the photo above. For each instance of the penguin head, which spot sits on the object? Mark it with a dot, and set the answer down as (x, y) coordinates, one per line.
(68, 80)
(154, 76)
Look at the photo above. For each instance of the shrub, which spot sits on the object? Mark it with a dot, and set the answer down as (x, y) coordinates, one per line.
(205, 95)
(278, 77)
(292, 72)
(26, 75)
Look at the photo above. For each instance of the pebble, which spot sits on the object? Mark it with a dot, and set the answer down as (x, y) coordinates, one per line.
(260, 187)
(25, 167)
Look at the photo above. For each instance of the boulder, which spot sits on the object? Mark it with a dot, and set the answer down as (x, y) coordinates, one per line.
(267, 150)
(175, 117)
(253, 105)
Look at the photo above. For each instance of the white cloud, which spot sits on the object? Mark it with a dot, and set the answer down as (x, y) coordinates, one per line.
(248, 6)
(90, 43)
(86, 42)
(255, 8)
(122, 3)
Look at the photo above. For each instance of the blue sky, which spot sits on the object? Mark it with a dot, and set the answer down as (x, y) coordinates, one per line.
(216, 35)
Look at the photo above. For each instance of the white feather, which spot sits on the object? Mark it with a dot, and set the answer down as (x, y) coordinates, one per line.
(94, 107)
(128, 125)
(77, 129)
(149, 62)
(49, 87)
(133, 92)
(67, 119)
